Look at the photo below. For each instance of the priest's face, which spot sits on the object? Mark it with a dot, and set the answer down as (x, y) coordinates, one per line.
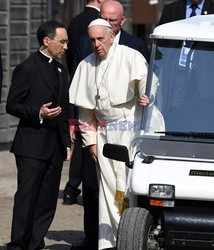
(57, 46)
(101, 38)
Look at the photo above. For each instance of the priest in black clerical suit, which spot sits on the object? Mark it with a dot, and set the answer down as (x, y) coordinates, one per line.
(38, 96)
(44, 83)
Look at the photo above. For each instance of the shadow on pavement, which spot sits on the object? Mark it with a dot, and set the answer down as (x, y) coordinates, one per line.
(58, 247)
(67, 236)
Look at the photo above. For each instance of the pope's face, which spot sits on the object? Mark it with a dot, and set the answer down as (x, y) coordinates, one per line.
(101, 40)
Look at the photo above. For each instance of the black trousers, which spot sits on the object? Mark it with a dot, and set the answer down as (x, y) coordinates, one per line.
(90, 199)
(83, 169)
(35, 200)
(75, 170)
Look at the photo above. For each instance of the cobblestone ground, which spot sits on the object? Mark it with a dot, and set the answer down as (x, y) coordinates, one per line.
(67, 227)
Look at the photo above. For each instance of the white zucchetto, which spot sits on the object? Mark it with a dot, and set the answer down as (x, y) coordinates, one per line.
(99, 21)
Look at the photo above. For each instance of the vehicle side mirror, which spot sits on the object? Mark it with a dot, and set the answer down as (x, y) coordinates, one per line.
(118, 153)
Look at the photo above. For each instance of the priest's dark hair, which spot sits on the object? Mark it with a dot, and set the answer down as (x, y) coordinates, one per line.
(48, 29)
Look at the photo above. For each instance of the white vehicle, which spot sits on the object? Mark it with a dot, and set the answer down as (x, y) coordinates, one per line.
(172, 182)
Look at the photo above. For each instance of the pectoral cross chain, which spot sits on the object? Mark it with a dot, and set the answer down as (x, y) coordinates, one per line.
(97, 97)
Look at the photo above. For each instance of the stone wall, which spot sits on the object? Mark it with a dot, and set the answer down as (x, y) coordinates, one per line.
(19, 20)
(3, 44)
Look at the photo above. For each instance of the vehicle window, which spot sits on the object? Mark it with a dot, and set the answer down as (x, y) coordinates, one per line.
(185, 93)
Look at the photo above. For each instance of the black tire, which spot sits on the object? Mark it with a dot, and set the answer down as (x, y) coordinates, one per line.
(134, 229)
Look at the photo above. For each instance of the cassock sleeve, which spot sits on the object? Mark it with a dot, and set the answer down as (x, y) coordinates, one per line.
(88, 126)
(142, 86)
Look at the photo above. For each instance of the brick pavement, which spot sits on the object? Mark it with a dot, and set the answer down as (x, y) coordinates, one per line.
(67, 227)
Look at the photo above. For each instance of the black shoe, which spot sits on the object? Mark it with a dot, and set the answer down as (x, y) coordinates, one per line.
(84, 246)
(81, 247)
(69, 200)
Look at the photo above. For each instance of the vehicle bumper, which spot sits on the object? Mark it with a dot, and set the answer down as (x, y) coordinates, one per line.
(189, 227)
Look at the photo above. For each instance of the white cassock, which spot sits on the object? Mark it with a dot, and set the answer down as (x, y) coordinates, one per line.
(106, 92)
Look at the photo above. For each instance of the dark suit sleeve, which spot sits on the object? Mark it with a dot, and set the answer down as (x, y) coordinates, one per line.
(173, 12)
(66, 117)
(83, 49)
(140, 46)
(76, 61)
(71, 46)
(134, 42)
(73, 110)
(17, 104)
(1, 75)
(144, 51)
(166, 15)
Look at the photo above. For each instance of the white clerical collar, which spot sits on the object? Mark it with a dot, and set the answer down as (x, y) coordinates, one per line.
(117, 37)
(50, 58)
(91, 6)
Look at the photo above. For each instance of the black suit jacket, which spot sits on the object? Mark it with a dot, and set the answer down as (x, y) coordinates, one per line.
(134, 42)
(32, 86)
(177, 11)
(77, 27)
(1, 75)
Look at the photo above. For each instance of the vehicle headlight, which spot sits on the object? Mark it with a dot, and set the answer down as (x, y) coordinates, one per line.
(161, 191)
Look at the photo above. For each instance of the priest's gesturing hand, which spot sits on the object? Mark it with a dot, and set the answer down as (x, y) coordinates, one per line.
(47, 112)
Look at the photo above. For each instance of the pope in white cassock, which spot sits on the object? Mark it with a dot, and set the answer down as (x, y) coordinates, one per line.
(108, 88)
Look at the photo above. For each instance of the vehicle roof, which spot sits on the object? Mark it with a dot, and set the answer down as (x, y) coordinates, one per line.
(197, 28)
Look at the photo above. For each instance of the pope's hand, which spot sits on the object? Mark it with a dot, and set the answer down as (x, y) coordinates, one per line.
(143, 100)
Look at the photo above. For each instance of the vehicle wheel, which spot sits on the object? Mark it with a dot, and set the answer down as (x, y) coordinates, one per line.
(135, 231)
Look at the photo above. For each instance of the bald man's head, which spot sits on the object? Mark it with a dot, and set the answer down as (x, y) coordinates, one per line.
(112, 11)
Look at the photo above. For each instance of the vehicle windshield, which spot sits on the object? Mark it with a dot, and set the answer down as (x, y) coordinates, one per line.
(181, 88)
